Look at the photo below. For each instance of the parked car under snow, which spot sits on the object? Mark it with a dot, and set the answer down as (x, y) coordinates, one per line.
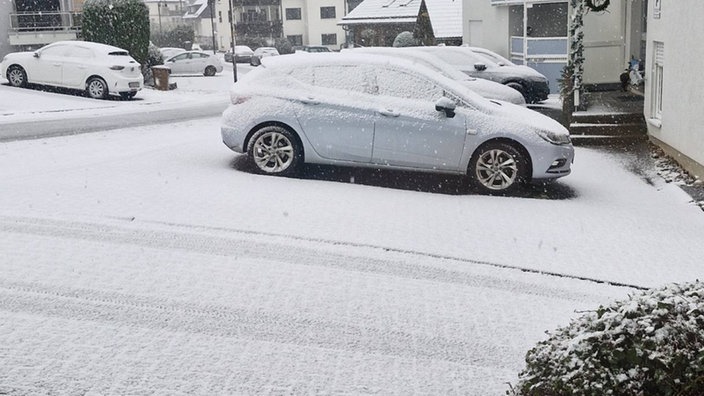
(382, 112)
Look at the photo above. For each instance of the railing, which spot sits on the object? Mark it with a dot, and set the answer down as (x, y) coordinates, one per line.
(43, 21)
(539, 49)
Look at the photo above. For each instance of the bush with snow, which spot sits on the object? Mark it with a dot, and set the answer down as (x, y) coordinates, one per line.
(405, 39)
(649, 344)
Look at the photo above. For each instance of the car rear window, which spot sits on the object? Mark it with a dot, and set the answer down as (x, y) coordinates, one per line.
(119, 53)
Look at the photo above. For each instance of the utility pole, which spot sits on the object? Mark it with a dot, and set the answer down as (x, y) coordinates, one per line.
(232, 39)
(212, 23)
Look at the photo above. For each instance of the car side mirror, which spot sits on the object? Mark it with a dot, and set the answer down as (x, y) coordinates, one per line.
(479, 66)
(36, 54)
(446, 105)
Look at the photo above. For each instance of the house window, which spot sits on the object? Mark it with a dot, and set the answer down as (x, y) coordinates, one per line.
(293, 13)
(329, 39)
(656, 81)
(327, 12)
(220, 16)
(295, 39)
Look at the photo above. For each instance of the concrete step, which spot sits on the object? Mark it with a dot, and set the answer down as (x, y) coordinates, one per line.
(603, 129)
(608, 118)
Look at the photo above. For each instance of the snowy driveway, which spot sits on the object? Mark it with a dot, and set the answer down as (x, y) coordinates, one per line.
(144, 261)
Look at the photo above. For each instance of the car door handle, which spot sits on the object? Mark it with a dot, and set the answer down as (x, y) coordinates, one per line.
(389, 113)
(310, 100)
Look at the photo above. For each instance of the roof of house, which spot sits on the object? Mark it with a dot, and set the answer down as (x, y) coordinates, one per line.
(445, 15)
(195, 8)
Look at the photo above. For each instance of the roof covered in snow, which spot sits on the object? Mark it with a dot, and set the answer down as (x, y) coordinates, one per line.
(445, 15)
(195, 9)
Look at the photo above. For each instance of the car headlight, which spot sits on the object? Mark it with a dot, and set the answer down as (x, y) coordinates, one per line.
(554, 138)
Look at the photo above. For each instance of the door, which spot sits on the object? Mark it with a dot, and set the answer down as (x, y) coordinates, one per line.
(409, 131)
(180, 64)
(75, 69)
(48, 68)
(337, 113)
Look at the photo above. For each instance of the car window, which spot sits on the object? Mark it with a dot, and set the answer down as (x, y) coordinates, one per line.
(199, 55)
(180, 57)
(402, 84)
(56, 50)
(79, 52)
(347, 77)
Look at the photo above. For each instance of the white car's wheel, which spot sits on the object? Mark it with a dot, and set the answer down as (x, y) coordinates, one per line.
(498, 168)
(16, 76)
(97, 88)
(275, 150)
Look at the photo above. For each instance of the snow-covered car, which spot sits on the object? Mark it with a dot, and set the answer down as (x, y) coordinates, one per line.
(243, 54)
(168, 52)
(485, 88)
(377, 111)
(530, 83)
(98, 69)
(262, 52)
(194, 62)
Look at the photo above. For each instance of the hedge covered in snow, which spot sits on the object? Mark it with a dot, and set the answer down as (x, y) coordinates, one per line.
(649, 344)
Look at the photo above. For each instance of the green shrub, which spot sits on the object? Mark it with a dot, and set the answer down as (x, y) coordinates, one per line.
(176, 37)
(649, 344)
(122, 23)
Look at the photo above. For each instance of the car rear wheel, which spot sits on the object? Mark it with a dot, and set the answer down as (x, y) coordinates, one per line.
(16, 76)
(97, 88)
(209, 71)
(498, 168)
(275, 150)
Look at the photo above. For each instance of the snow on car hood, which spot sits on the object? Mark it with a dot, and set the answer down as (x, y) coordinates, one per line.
(494, 90)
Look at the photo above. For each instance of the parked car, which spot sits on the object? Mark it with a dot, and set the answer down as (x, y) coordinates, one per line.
(485, 88)
(98, 69)
(383, 112)
(194, 62)
(262, 52)
(168, 52)
(243, 54)
(531, 84)
(493, 56)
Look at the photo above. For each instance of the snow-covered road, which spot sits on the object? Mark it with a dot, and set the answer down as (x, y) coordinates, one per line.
(145, 261)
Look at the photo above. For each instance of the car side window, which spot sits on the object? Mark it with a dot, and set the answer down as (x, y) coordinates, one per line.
(57, 50)
(79, 52)
(401, 84)
(346, 77)
(180, 57)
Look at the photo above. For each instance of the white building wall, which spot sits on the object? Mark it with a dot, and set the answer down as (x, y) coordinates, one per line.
(605, 44)
(317, 27)
(682, 125)
(485, 26)
(295, 27)
(5, 10)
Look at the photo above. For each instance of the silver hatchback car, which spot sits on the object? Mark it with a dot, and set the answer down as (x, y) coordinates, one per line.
(382, 112)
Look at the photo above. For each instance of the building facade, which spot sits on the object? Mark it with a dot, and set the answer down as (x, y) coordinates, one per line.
(165, 15)
(535, 33)
(673, 94)
(30, 24)
(314, 22)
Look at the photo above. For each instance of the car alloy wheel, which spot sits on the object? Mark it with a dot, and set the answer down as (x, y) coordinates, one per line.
(498, 168)
(17, 76)
(274, 150)
(97, 88)
(210, 71)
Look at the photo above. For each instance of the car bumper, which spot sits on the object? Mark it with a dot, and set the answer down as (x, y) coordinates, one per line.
(553, 162)
(117, 84)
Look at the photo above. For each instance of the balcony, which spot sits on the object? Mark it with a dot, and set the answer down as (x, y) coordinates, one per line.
(259, 28)
(38, 28)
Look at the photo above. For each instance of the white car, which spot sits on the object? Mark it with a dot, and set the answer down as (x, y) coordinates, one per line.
(485, 88)
(99, 69)
(168, 52)
(375, 111)
(194, 62)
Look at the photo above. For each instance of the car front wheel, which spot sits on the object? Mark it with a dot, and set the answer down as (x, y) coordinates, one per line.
(17, 76)
(498, 168)
(275, 150)
(97, 88)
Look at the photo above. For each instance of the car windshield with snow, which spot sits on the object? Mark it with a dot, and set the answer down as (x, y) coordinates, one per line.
(388, 113)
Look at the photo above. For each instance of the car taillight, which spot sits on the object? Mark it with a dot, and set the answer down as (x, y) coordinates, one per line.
(116, 67)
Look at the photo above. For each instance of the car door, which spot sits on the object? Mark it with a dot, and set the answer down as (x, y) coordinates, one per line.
(199, 62)
(410, 131)
(75, 67)
(47, 68)
(337, 115)
(179, 64)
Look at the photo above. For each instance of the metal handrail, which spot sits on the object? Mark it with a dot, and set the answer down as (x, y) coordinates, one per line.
(42, 21)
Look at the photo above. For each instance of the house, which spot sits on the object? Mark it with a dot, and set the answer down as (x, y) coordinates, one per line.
(535, 33)
(198, 14)
(30, 24)
(314, 22)
(165, 15)
(673, 93)
(378, 22)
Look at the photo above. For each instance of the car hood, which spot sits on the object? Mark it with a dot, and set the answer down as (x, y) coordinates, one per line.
(19, 55)
(522, 116)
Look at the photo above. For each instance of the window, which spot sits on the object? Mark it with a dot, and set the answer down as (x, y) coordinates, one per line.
(400, 84)
(220, 16)
(295, 39)
(656, 81)
(293, 14)
(355, 77)
(329, 39)
(327, 12)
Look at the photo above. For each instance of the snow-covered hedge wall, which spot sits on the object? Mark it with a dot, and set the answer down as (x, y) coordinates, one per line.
(122, 23)
(649, 344)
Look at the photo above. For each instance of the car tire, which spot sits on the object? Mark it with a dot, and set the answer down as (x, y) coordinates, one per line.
(274, 150)
(498, 168)
(16, 76)
(520, 88)
(97, 88)
(209, 71)
(127, 95)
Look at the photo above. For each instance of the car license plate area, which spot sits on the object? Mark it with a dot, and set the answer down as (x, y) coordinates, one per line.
(134, 85)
